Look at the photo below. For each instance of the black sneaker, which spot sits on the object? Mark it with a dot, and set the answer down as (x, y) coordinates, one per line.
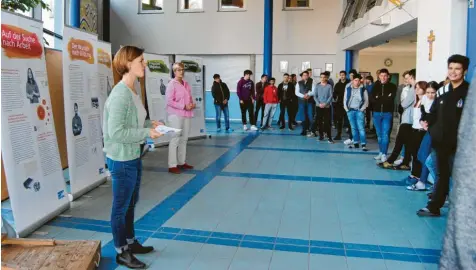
(364, 148)
(137, 248)
(291, 128)
(338, 138)
(330, 141)
(127, 259)
(321, 138)
(356, 145)
(281, 127)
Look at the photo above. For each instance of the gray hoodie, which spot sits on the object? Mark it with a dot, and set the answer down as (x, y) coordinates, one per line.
(407, 105)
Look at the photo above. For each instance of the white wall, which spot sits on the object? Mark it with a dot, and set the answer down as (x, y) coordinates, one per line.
(361, 33)
(401, 62)
(211, 32)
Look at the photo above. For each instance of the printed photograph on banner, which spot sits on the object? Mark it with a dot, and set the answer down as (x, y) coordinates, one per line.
(194, 76)
(157, 76)
(29, 143)
(83, 97)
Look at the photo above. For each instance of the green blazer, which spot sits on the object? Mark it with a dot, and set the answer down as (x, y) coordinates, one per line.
(122, 134)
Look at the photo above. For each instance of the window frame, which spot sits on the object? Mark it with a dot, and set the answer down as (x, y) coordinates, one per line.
(182, 10)
(140, 11)
(297, 8)
(221, 9)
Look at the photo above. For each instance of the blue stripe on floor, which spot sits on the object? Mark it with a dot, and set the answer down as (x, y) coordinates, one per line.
(351, 152)
(156, 217)
(408, 254)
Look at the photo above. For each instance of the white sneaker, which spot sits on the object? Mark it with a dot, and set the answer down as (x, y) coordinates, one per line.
(398, 162)
(378, 157)
(245, 127)
(253, 128)
(348, 141)
(383, 158)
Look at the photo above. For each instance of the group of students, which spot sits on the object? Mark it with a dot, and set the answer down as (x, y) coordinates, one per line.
(427, 136)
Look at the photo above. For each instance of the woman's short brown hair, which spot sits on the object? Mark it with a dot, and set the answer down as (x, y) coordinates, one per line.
(123, 56)
(177, 65)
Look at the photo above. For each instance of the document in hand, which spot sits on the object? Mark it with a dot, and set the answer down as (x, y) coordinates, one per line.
(165, 129)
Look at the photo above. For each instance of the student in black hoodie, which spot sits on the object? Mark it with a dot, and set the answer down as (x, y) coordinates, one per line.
(338, 96)
(259, 97)
(286, 96)
(221, 95)
(383, 103)
(442, 122)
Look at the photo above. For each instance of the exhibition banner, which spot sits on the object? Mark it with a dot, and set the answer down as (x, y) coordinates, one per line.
(194, 76)
(157, 76)
(105, 76)
(29, 144)
(82, 112)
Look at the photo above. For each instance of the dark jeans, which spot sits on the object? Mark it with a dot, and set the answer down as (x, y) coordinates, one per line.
(445, 158)
(339, 117)
(259, 106)
(286, 105)
(293, 109)
(126, 178)
(368, 117)
(308, 110)
(322, 119)
(247, 106)
(218, 110)
(403, 139)
(416, 136)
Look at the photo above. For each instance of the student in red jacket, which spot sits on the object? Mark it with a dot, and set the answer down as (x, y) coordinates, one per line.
(271, 102)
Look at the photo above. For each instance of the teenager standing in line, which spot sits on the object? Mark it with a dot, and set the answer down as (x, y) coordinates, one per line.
(306, 102)
(294, 102)
(383, 103)
(286, 96)
(271, 101)
(221, 95)
(338, 96)
(125, 132)
(356, 100)
(322, 94)
(180, 108)
(442, 123)
(246, 94)
(260, 86)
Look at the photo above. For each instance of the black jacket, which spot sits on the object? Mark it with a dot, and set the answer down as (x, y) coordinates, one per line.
(445, 115)
(290, 93)
(383, 97)
(220, 92)
(260, 90)
(339, 92)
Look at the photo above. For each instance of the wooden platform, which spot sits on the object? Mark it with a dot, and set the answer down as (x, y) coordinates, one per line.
(70, 255)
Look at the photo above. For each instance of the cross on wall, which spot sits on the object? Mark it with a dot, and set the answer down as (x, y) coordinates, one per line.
(431, 39)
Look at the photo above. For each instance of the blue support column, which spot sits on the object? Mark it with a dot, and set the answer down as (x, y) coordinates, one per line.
(268, 38)
(74, 13)
(349, 58)
(471, 42)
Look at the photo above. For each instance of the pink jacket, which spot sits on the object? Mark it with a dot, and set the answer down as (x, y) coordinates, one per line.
(178, 95)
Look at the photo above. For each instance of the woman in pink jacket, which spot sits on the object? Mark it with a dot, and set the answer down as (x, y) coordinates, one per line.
(179, 114)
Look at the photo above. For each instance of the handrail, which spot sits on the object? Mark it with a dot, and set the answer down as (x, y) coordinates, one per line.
(51, 33)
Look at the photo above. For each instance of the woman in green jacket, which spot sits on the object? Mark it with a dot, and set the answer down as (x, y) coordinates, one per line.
(125, 131)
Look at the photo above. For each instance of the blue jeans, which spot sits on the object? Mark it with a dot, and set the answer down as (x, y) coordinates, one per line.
(126, 178)
(218, 110)
(357, 123)
(382, 122)
(308, 110)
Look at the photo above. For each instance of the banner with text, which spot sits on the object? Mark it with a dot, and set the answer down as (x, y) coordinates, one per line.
(194, 76)
(157, 76)
(105, 76)
(82, 112)
(29, 144)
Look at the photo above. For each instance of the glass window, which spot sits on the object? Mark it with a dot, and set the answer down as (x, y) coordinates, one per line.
(190, 5)
(48, 17)
(151, 6)
(231, 5)
(291, 4)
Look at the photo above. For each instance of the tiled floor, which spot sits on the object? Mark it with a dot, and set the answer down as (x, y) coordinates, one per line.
(270, 200)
